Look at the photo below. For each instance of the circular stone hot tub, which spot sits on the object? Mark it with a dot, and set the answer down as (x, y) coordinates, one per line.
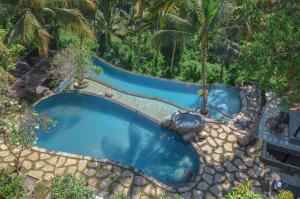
(185, 122)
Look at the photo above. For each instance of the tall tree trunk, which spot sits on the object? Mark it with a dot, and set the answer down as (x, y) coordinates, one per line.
(95, 30)
(203, 77)
(221, 72)
(173, 57)
(139, 36)
(156, 46)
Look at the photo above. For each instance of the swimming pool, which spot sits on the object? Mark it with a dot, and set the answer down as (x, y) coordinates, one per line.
(97, 127)
(184, 95)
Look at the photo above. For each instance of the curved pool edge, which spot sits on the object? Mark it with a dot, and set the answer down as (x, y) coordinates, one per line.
(166, 101)
(185, 188)
(211, 85)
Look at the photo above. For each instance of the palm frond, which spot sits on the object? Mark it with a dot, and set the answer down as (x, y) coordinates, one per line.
(73, 20)
(43, 40)
(165, 36)
(176, 23)
(28, 30)
(80, 4)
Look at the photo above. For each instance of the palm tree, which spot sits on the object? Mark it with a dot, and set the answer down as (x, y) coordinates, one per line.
(111, 23)
(33, 17)
(206, 11)
(174, 31)
(140, 8)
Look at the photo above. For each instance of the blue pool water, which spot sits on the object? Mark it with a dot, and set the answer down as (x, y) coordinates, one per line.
(92, 126)
(220, 97)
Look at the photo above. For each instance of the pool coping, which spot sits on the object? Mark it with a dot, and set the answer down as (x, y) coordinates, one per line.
(167, 80)
(185, 188)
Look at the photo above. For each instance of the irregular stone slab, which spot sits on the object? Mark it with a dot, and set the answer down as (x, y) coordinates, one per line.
(117, 188)
(48, 176)
(208, 178)
(126, 181)
(70, 162)
(197, 194)
(82, 164)
(136, 193)
(223, 136)
(44, 156)
(231, 138)
(39, 164)
(187, 195)
(219, 178)
(249, 162)
(34, 156)
(52, 160)
(104, 184)
(219, 150)
(59, 171)
(27, 165)
(103, 174)
(93, 182)
(209, 196)
(214, 133)
(72, 170)
(140, 181)
(4, 153)
(9, 158)
(211, 142)
(149, 189)
(226, 129)
(160, 192)
(60, 162)
(48, 168)
(228, 147)
(127, 173)
(219, 142)
(36, 174)
(89, 172)
(216, 190)
(209, 170)
(117, 170)
(240, 164)
(230, 167)
(207, 149)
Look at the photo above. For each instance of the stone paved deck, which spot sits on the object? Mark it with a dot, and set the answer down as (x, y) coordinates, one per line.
(225, 164)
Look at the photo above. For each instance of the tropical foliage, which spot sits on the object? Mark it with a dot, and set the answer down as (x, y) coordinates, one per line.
(36, 22)
(68, 186)
(243, 191)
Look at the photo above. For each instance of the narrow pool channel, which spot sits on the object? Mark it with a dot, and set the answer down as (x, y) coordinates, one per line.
(220, 99)
(97, 127)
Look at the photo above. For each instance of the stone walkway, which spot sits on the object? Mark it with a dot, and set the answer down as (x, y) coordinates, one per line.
(225, 165)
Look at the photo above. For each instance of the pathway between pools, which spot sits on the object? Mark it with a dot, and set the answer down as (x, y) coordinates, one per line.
(153, 108)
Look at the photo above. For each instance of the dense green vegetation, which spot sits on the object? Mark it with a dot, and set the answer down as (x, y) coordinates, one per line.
(243, 191)
(68, 186)
(228, 41)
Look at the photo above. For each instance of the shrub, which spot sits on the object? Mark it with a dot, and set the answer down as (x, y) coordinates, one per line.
(243, 191)
(120, 196)
(11, 186)
(40, 189)
(285, 194)
(68, 186)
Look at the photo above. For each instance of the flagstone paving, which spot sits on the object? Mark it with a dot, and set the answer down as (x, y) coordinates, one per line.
(225, 165)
